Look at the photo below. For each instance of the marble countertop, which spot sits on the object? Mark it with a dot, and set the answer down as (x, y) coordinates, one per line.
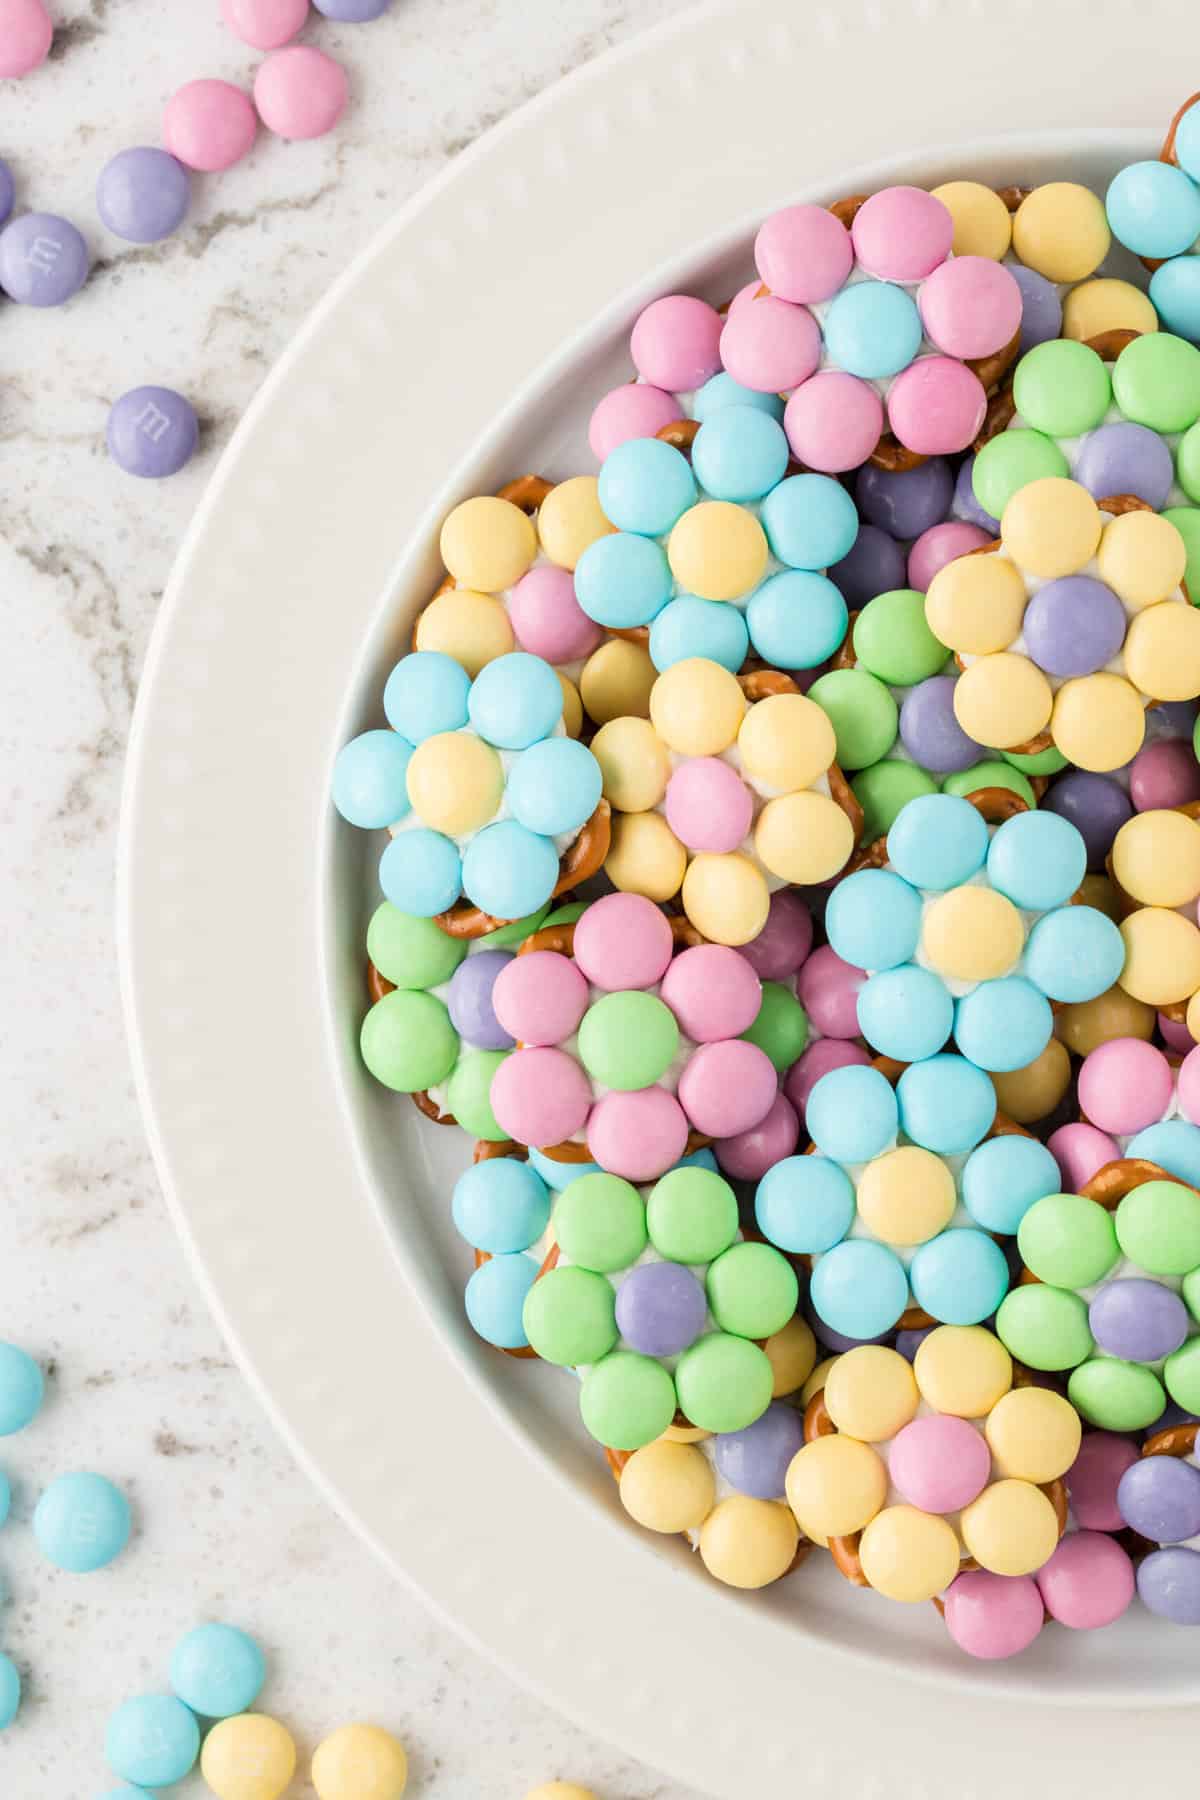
(92, 1279)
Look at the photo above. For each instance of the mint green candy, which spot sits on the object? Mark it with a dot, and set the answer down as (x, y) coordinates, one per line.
(692, 1215)
(566, 915)
(1156, 382)
(1158, 1227)
(752, 1290)
(408, 1042)
(1181, 1374)
(570, 1317)
(1045, 762)
(893, 642)
(724, 1383)
(507, 937)
(1186, 520)
(600, 1222)
(1044, 1327)
(995, 774)
(1115, 1395)
(864, 716)
(1191, 1297)
(1067, 1240)
(468, 1095)
(781, 1028)
(1010, 462)
(883, 790)
(1062, 388)
(628, 1040)
(627, 1400)
(411, 952)
(1187, 463)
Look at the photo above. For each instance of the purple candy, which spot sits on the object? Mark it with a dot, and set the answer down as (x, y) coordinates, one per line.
(1160, 1497)
(1074, 626)
(909, 1342)
(469, 1001)
(1096, 807)
(43, 260)
(1169, 1583)
(874, 565)
(966, 506)
(1041, 308)
(837, 1341)
(661, 1308)
(784, 941)
(1170, 1415)
(930, 732)
(143, 194)
(152, 432)
(8, 191)
(905, 502)
(1124, 458)
(1173, 718)
(352, 12)
(755, 1460)
(1140, 1321)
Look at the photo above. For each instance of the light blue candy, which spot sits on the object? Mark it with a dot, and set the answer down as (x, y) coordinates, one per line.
(152, 1740)
(1037, 860)
(905, 1012)
(1175, 292)
(515, 701)
(426, 693)
(699, 1159)
(740, 454)
(1174, 1144)
(554, 786)
(370, 779)
(558, 1175)
(852, 1116)
(859, 1288)
(495, 1299)
(1074, 953)
(10, 1691)
(1002, 1025)
(645, 486)
(687, 627)
(872, 329)
(810, 521)
(946, 1104)
(421, 872)
(937, 841)
(501, 1205)
(5, 1496)
(508, 871)
(217, 1671)
(22, 1387)
(622, 580)
(722, 390)
(959, 1277)
(797, 619)
(1187, 142)
(125, 1792)
(1002, 1179)
(873, 919)
(81, 1522)
(805, 1205)
(1154, 209)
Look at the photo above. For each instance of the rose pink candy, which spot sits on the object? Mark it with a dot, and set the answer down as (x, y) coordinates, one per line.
(1175, 1035)
(1093, 1479)
(902, 234)
(1125, 1085)
(638, 1135)
(939, 1463)
(1088, 1582)
(1079, 1150)
(751, 291)
(828, 991)
(265, 24)
(676, 343)
(938, 546)
(784, 941)
(970, 306)
(300, 92)
(547, 618)
(1164, 774)
(540, 998)
(1187, 1086)
(749, 1155)
(817, 1060)
(771, 345)
(803, 253)
(623, 941)
(540, 1096)
(833, 422)
(634, 410)
(209, 125)
(936, 405)
(708, 805)
(728, 1088)
(993, 1616)
(25, 36)
(713, 992)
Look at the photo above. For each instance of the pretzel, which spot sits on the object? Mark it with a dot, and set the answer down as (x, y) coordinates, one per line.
(1113, 1180)
(1167, 155)
(1172, 1440)
(584, 857)
(1108, 345)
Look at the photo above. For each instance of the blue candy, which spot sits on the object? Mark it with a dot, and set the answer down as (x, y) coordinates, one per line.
(515, 701)
(421, 872)
(937, 841)
(152, 1740)
(740, 454)
(959, 1277)
(797, 619)
(1154, 209)
(859, 1288)
(495, 1299)
(1187, 142)
(82, 1522)
(370, 779)
(873, 919)
(10, 1691)
(501, 1205)
(1175, 291)
(559, 1175)
(508, 871)
(805, 1204)
(905, 1012)
(1037, 860)
(1002, 1025)
(872, 329)
(946, 1104)
(722, 390)
(554, 786)
(645, 486)
(699, 1159)
(1002, 1179)
(1074, 953)
(21, 1389)
(1174, 1144)
(426, 693)
(713, 629)
(217, 1671)
(810, 521)
(852, 1115)
(622, 580)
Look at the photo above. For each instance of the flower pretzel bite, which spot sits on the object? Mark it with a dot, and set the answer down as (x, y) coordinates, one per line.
(1159, 1498)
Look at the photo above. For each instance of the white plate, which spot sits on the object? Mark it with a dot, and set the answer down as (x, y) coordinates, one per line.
(462, 349)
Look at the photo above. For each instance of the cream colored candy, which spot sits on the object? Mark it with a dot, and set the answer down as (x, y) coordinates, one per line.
(488, 543)
(1098, 723)
(572, 705)
(1033, 1434)
(455, 782)
(982, 222)
(1051, 527)
(560, 1790)
(1029, 1094)
(905, 1196)
(804, 838)
(976, 604)
(697, 707)
(1061, 231)
(616, 681)
(972, 934)
(1086, 1024)
(815, 1381)
(472, 628)
(1162, 956)
(786, 741)
(718, 550)
(835, 1485)
(1142, 557)
(871, 1392)
(1192, 1019)
(748, 1543)
(1156, 858)
(725, 897)
(569, 519)
(668, 1487)
(1011, 1528)
(360, 1762)
(683, 1434)
(792, 1354)
(634, 764)
(962, 1369)
(908, 1554)
(250, 1757)
(1162, 652)
(1003, 700)
(1106, 304)
(645, 856)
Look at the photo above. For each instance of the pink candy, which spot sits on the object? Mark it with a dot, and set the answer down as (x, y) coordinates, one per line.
(1079, 1150)
(623, 941)
(902, 234)
(1175, 1035)
(540, 998)
(1164, 774)
(548, 619)
(266, 24)
(1088, 1582)
(784, 941)
(803, 253)
(300, 92)
(209, 125)
(970, 306)
(833, 422)
(748, 1156)
(936, 405)
(708, 805)
(770, 345)
(635, 410)
(1093, 1479)
(939, 1463)
(540, 1097)
(1125, 1085)
(826, 1054)
(25, 36)
(828, 991)
(713, 992)
(728, 1088)
(993, 1616)
(1187, 1086)
(638, 1135)
(676, 343)
(938, 546)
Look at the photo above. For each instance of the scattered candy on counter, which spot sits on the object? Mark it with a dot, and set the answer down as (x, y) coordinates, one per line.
(26, 34)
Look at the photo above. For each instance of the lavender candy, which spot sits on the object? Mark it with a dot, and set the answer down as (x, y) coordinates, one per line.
(1096, 807)
(837, 1341)
(873, 565)
(8, 191)
(152, 432)
(1169, 1583)
(905, 502)
(755, 1460)
(143, 194)
(352, 12)
(1160, 1497)
(469, 1001)
(1041, 308)
(43, 260)
(965, 505)
(930, 732)
(908, 1342)
(1124, 458)
(1173, 718)
(1137, 1320)
(661, 1308)
(1074, 626)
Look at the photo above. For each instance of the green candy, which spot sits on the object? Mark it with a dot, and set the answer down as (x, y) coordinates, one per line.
(1187, 463)
(1191, 1298)
(989, 775)
(781, 1028)
(408, 1042)
(570, 1317)
(1067, 1240)
(1062, 388)
(892, 640)
(864, 716)
(517, 930)
(883, 790)
(724, 1383)
(752, 1290)
(1010, 462)
(627, 1400)
(1158, 1227)
(1186, 520)
(692, 1215)
(468, 1095)
(1044, 1327)
(1156, 382)
(566, 915)
(1181, 1374)
(411, 952)
(1046, 762)
(628, 1040)
(1115, 1395)
(600, 1223)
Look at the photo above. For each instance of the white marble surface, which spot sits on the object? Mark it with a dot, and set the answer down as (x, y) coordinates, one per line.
(91, 1277)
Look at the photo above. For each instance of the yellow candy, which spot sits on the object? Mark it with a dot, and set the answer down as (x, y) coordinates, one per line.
(871, 1392)
(1193, 1016)
(718, 551)
(1011, 1529)
(646, 857)
(572, 706)
(976, 604)
(1061, 231)
(908, 1554)
(472, 628)
(835, 1485)
(1162, 652)
(634, 764)
(1003, 700)
(455, 782)
(250, 1757)
(803, 838)
(748, 1543)
(725, 897)
(1142, 557)
(792, 1354)
(786, 741)
(683, 1434)
(1051, 527)
(972, 934)
(1098, 721)
(668, 1487)
(1106, 304)
(616, 680)
(1032, 1092)
(1162, 956)
(1033, 1434)
(560, 1790)
(815, 1382)
(905, 1197)
(1087, 1024)
(488, 543)
(1156, 858)
(569, 519)
(360, 1762)
(696, 707)
(982, 222)
(962, 1369)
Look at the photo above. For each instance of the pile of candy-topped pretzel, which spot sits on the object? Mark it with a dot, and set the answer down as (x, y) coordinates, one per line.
(791, 859)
